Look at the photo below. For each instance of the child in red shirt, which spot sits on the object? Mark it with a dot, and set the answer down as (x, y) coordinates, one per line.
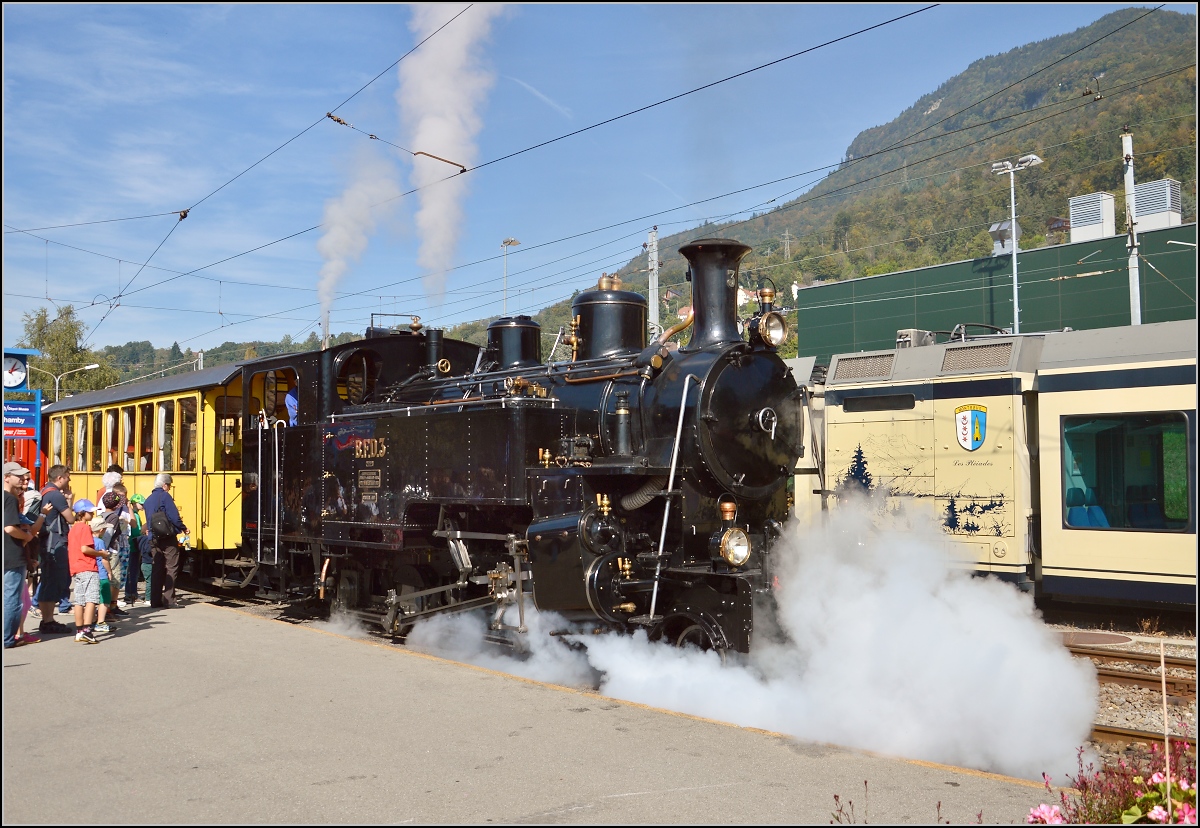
(85, 575)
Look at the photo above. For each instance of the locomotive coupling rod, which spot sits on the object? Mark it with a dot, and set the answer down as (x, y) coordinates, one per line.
(662, 538)
(455, 533)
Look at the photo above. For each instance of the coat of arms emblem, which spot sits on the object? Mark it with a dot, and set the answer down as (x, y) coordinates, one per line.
(970, 423)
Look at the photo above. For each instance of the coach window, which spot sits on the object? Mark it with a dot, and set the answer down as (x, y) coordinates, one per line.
(97, 441)
(164, 433)
(1127, 472)
(112, 436)
(187, 434)
(80, 461)
(128, 435)
(145, 437)
(229, 430)
(56, 441)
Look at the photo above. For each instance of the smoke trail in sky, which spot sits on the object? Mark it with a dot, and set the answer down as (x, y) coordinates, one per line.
(886, 645)
(349, 221)
(443, 86)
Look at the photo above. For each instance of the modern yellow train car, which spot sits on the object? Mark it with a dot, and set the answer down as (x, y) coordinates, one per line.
(1064, 462)
(189, 425)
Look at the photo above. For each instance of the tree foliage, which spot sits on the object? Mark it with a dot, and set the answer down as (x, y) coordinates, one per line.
(60, 339)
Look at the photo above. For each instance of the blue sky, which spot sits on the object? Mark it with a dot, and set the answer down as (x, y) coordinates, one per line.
(113, 111)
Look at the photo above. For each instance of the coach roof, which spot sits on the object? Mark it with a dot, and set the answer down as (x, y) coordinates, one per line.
(188, 381)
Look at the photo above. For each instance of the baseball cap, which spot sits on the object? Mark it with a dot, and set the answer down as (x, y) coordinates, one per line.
(138, 498)
(13, 467)
(83, 505)
(98, 523)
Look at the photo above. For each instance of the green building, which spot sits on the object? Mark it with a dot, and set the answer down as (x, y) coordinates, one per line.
(1081, 285)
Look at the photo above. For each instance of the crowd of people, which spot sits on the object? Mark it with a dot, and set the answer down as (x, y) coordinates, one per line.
(85, 558)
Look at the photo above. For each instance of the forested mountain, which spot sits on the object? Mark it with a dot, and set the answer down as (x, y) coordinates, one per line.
(918, 190)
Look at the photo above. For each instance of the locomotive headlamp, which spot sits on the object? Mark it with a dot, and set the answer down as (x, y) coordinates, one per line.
(770, 328)
(735, 546)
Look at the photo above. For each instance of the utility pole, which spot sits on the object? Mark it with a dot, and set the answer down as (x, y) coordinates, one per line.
(1135, 281)
(787, 245)
(652, 265)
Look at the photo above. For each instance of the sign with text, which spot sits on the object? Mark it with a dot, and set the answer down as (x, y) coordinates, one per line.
(21, 420)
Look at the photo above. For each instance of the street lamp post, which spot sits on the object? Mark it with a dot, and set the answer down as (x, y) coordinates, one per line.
(58, 377)
(999, 168)
(504, 245)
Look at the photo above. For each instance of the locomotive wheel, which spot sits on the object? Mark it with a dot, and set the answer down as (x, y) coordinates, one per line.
(694, 636)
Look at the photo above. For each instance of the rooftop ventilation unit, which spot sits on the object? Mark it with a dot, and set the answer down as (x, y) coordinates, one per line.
(1001, 235)
(1093, 216)
(1158, 205)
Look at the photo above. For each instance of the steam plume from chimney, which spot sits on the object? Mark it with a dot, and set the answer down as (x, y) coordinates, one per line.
(443, 86)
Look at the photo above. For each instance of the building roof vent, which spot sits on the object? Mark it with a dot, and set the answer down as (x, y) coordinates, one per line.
(1001, 237)
(1158, 205)
(1093, 216)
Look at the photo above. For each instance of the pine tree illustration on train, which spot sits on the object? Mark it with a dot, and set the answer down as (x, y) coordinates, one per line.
(638, 485)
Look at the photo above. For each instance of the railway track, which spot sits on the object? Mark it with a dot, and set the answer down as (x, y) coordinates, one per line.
(1182, 686)
(1125, 736)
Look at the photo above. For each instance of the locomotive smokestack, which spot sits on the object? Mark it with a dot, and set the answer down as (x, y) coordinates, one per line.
(713, 271)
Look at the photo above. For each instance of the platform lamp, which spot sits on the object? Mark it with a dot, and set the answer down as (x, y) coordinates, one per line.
(504, 245)
(1000, 168)
(58, 377)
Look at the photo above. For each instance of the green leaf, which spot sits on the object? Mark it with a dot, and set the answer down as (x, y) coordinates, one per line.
(1131, 815)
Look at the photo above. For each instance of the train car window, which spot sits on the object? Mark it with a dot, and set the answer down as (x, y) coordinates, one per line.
(97, 441)
(112, 436)
(880, 402)
(145, 437)
(56, 441)
(356, 375)
(164, 433)
(1126, 471)
(229, 421)
(187, 434)
(128, 435)
(80, 459)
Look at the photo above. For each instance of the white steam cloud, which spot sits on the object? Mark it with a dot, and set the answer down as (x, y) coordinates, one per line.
(888, 647)
(349, 222)
(443, 87)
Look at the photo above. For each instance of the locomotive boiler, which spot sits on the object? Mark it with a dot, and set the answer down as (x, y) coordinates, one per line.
(637, 485)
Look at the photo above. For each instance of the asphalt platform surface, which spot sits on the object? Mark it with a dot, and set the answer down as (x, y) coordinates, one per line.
(208, 714)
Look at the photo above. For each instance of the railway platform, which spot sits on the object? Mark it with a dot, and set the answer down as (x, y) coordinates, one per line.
(207, 714)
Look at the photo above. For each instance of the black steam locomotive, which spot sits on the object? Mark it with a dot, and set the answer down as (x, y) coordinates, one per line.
(637, 485)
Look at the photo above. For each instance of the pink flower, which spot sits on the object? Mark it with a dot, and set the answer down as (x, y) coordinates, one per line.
(1158, 813)
(1185, 813)
(1157, 779)
(1045, 815)
(1183, 783)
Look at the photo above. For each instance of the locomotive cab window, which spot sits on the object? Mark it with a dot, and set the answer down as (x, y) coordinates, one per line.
(1128, 472)
(278, 389)
(356, 375)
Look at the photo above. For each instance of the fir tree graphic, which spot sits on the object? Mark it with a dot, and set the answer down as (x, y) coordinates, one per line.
(857, 477)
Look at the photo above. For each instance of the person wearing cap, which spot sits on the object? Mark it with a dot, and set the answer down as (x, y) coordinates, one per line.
(17, 533)
(55, 584)
(85, 574)
(101, 542)
(167, 560)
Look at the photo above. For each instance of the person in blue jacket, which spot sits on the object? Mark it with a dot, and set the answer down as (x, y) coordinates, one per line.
(167, 560)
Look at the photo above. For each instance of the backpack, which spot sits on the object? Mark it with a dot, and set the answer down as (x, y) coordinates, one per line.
(161, 526)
